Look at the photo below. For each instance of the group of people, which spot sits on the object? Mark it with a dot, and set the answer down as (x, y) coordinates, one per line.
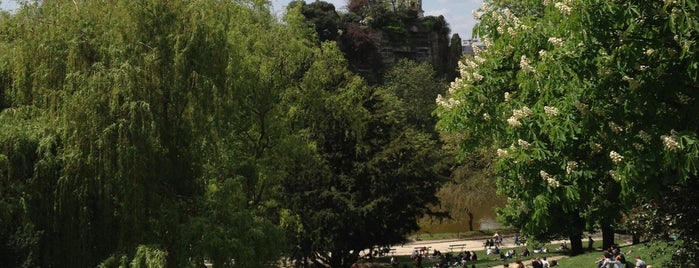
(536, 263)
(448, 260)
(614, 258)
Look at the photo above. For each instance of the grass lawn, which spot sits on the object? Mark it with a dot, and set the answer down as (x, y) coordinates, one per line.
(646, 251)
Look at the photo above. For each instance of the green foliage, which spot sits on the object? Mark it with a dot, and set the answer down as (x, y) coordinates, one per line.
(149, 256)
(365, 175)
(587, 104)
(202, 129)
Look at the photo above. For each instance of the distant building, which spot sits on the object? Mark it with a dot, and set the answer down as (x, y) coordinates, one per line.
(468, 44)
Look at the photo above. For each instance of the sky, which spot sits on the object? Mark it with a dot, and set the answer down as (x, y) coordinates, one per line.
(456, 12)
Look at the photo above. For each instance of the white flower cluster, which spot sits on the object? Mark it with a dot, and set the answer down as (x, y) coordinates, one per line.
(508, 22)
(615, 175)
(556, 41)
(615, 127)
(524, 144)
(571, 166)
(595, 147)
(670, 141)
(477, 77)
(649, 52)
(549, 179)
(518, 114)
(565, 9)
(551, 111)
(638, 146)
(447, 103)
(486, 117)
(616, 157)
(521, 113)
(525, 65)
(502, 153)
(507, 96)
(512, 121)
(643, 68)
(487, 42)
(543, 53)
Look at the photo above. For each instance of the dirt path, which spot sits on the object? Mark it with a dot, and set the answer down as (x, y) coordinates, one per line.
(455, 245)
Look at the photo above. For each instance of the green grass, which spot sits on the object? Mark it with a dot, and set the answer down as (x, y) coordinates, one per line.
(646, 251)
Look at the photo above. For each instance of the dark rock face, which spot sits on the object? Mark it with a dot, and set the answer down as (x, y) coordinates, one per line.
(421, 40)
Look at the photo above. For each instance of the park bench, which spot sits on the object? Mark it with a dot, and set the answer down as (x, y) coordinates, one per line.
(460, 246)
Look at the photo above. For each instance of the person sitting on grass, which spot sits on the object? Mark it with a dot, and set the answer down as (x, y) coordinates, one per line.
(525, 253)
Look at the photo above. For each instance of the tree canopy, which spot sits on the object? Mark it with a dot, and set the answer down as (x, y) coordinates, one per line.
(589, 105)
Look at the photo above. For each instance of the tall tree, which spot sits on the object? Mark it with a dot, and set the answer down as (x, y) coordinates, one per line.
(156, 131)
(585, 112)
(366, 175)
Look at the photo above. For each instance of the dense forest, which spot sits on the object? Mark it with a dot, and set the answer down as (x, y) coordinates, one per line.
(166, 133)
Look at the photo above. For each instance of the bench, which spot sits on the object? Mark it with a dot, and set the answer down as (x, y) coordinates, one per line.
(460, 246)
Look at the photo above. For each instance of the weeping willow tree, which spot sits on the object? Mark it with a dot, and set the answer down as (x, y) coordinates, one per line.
(142, 130)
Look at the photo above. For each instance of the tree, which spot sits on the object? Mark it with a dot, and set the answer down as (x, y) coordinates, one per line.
(365, 175)
(143, 130)
(585, 112)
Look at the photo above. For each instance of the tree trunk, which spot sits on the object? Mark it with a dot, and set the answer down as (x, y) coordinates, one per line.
(470, 220)
(635, 239)
(607, 236)
(576, 246)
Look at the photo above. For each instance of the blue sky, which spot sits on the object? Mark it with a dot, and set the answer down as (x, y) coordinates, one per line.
(456, 12)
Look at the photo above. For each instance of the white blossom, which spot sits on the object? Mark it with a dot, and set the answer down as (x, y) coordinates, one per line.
(544, 175)
(525, 65)
(446, 103)
(542, 53)
(551, 111)
(477, 77)
(615, 127)
(507, 96)
(670, 142)
(486, 117)
(614, 175)
(616, 157)
(643, 68)
(550, 180)
(556, 41)
(512, 121)
(502, 153)
(565, 9)
(553, 183)
(487, 42)
(522, 143)
(649, 52)
(571, 166)
(595, 147)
